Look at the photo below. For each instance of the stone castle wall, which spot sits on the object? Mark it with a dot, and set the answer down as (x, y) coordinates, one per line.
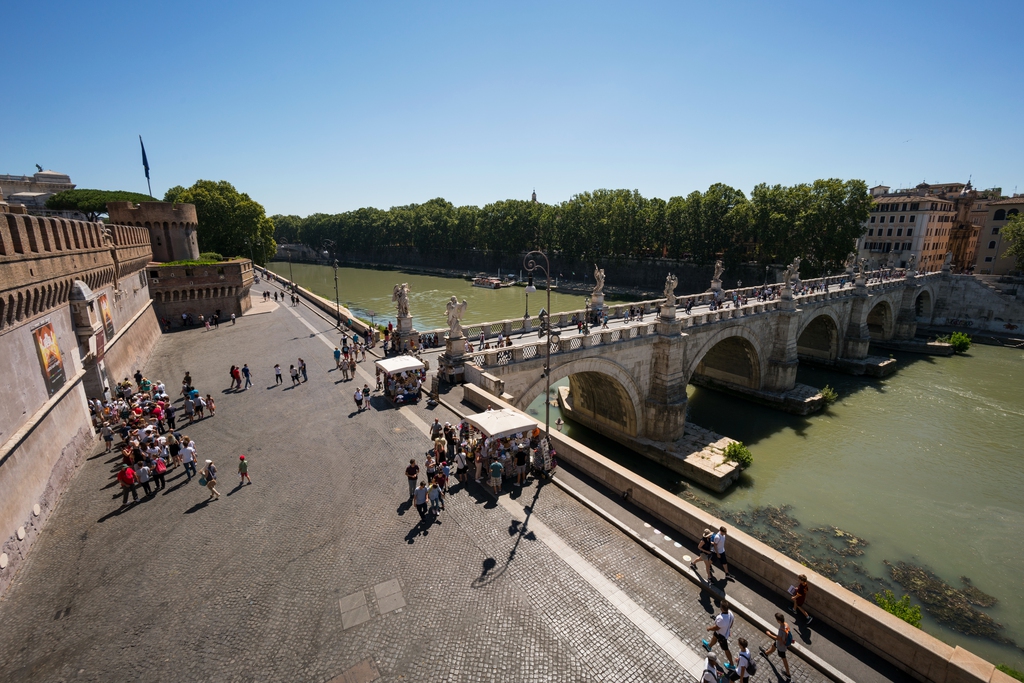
(45, 430)
(201, 290)
(172, 227)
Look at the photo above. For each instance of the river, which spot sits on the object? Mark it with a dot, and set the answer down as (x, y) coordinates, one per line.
(921, 467)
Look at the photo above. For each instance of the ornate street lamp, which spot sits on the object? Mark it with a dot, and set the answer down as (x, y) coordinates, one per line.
(530, 264)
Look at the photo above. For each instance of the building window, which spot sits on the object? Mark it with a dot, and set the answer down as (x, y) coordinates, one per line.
(903, 219)
(912, 217)
(988, 259)
(871, 232)
(888, 233)
(189, 272)
(992, 244)
(872, 219)
(910, 231)
(904, 206)
(892, 219)
(154, 274)
(995, 231)
(899, 232)
(915, 206)
(906, 246)
(1011, 212)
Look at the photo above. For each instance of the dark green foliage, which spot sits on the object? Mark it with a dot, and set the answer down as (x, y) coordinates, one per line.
(93, 203)
(900, 608)
(210, 256)
(230, 222)
(960, 341)
(818, 222)
(829, 394)
(738, 453)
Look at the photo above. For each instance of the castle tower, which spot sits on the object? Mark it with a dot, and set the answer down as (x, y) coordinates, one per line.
(534, 197)
(172, 227)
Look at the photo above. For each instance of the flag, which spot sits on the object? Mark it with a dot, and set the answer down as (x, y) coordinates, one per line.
(145, 161)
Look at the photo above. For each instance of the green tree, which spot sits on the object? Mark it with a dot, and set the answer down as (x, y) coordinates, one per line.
(93, 203)
(230, 222)
(286, 228)
(832, 221)
(1013, 233)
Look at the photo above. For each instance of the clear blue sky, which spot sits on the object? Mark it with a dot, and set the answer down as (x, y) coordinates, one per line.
(328, 108)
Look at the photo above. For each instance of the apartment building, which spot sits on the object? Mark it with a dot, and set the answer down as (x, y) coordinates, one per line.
(907, 223)
(991, 252)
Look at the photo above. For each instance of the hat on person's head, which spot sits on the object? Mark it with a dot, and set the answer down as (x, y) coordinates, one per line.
(208, 462)
(712, 656)
(707, 532)
(241, 457)
(124, 467)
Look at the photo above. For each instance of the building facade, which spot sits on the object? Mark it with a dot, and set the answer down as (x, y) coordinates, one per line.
(75, 315)
(907, 223)
(991, 256)
(33, 191)
(218, 288)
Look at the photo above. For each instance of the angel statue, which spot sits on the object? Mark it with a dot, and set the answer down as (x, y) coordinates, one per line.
(599, 279)
(911, 262)
(670, 289)
(792, 270)
(949, 258)
(401, 299)
(719, 269)
(455, 312)
(851, 260)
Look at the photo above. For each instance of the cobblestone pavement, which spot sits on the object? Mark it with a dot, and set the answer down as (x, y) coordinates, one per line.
(261, 584)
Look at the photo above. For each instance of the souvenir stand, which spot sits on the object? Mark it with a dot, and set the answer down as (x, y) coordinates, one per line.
(402, 381)
(498, 435)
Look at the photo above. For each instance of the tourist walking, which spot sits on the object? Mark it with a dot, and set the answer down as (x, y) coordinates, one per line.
(190, 409)
(721, 630)
(344, 370)
(243, 470)
(108, 436)
(302, 369)
(520, 466)
(247, 374)
(461, 467)
(210, 474)
(159, 473)
(294, 373)
(337, 358)
(169, 412)
(420, 498)
(712, 673)
(704, 549)
(745, 666)
(188, 457)
(436, 497)
(719, 540)
(358, 397)
(210, 404)
(799, 596)
(412, 472)
(277, 373)
(174, 450)
(783, 639)
(126, 477)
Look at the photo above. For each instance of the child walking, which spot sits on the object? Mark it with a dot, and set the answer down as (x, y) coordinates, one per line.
(243, 470)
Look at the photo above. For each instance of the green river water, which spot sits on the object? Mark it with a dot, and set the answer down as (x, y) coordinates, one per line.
(921, 467)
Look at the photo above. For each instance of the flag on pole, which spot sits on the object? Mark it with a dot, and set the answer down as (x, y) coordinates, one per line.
(145, 165)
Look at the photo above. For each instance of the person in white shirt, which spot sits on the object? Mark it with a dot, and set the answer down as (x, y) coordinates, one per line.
(188, 456)
(720, 551)
(744, 661)
(712, 672)
(721, 630)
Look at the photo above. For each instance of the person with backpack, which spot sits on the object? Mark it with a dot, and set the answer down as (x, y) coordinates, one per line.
(721, 630)
(159, 473)
(712, 672)
(209, 473)
(783, 639)
(745, 665)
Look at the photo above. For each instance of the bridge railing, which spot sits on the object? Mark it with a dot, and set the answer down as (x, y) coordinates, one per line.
(538, 349)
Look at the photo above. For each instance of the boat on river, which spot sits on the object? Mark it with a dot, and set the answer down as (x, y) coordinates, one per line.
(487, 282)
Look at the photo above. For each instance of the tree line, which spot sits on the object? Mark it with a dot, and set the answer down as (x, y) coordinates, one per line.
(818, 222)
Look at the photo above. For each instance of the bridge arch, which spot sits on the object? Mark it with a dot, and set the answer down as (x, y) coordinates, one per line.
(820, 336)
(732, 355)
(923, 304)
(881, 321)
(601, 389)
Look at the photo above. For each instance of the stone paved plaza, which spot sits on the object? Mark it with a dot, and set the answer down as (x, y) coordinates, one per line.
(320, 571)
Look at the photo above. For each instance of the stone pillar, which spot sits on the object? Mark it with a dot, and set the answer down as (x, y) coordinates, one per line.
(905, 326)
(597, 304)
(664, 410)
(857, 340)
(406, 332)
(780, 375)
(452, 363)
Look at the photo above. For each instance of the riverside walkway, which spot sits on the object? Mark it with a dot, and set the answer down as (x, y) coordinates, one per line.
(320, 571)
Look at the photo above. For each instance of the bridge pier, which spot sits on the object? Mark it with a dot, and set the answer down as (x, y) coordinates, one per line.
(664, 409)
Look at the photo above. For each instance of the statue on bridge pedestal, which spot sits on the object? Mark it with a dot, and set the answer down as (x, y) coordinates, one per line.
(400, 297)
(911, 263)
(851, 261)
(948, 262)
(455, 312)
(792, 270)
(670, 289)
(716, 280)
(599, 282)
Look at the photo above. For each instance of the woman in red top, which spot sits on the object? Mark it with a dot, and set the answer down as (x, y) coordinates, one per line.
(800, 596)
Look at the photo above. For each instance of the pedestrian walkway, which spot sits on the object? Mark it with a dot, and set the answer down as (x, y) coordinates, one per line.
(320, 567)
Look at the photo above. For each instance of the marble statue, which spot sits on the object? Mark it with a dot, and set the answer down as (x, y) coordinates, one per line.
(949, 258)
(401, 299)
(851, 260)
(792, 270)
(911, 262)
(719, 269)
(455, 312)
(670, 289)
(599, 280)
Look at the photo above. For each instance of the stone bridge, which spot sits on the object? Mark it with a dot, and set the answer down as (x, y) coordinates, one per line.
(629, 381)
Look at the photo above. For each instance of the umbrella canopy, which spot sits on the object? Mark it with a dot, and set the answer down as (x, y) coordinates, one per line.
(393, 366)
(504, 422)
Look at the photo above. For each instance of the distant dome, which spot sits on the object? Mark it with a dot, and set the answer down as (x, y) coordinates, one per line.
(80, 291)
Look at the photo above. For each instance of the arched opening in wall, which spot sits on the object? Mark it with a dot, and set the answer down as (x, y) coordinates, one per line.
(12, 309)
(819, 340)
(923, 305)
(175, 296)
(3, 312)
(599, 400)
(21, 307)
(880, 321)
(158, 297)
(732, 361)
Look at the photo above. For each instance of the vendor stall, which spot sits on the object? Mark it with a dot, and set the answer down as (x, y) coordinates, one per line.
(403, 378)
(509, 437)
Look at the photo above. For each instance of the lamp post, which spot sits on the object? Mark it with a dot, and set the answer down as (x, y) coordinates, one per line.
(337, 298)
(586, 316)
(530, 264)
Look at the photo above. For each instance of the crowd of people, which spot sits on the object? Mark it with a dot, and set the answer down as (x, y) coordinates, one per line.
(143, 419)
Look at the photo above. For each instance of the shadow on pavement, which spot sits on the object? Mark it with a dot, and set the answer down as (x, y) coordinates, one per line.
(198, 506)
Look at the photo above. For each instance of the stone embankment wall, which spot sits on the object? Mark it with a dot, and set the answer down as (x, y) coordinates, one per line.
(974, 304)
(923, 656)
(45, 429)
(331, 308)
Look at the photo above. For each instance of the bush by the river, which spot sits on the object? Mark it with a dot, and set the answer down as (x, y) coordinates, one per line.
(738, 453)
(829, 394)
(900, 608)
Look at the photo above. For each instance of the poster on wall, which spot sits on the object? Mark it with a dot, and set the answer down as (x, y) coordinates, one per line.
(108, 320)
(50, 360)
